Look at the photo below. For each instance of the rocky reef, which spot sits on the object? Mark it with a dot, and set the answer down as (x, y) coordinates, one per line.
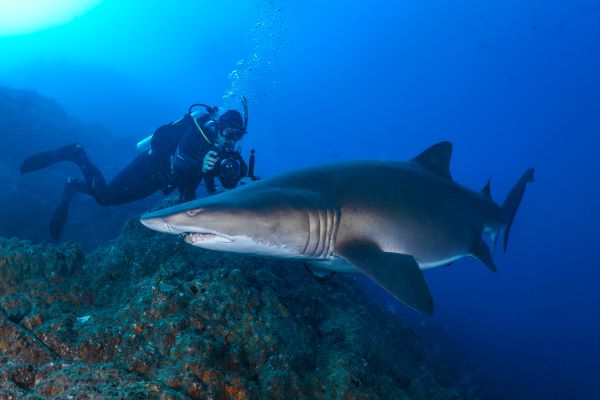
(146, 316)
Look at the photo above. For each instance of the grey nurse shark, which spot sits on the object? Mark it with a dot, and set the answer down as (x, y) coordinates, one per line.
(388, 220)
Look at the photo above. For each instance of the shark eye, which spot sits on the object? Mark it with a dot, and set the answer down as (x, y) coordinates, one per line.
(191, 213)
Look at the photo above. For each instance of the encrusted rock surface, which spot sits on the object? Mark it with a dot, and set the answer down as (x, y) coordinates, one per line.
(147, 316)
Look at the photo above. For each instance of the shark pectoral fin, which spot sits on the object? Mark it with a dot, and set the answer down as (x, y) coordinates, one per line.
(399, 274)
(481, 252)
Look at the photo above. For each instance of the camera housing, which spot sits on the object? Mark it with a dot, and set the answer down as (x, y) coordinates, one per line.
(228, 166)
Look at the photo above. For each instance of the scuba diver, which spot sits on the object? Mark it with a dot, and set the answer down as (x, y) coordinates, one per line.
(178, 155)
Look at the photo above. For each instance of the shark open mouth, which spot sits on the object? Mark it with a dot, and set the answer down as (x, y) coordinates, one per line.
(200, 237)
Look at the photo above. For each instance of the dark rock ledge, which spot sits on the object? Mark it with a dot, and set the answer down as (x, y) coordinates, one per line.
(148, 317)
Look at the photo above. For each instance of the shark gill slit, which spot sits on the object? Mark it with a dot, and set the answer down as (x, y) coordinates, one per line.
(332, 224)
(315, 227)
(322, 232)
(313, 234)
(308, 236)
(323, 225)
(327, 236)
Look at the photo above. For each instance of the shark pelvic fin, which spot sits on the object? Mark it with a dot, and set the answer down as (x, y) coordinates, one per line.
(399, 274)
(319, 274)
(481, 252)
(437, 158)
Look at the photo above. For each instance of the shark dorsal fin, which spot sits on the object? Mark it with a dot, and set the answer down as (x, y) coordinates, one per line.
(487, 191)
(437, 158)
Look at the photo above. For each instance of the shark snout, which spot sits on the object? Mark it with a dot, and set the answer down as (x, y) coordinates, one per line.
(167, 220)
(195, 235)
(157, 223)
(163, 224)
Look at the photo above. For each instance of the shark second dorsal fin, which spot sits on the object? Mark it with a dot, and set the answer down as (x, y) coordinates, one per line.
(487, 191)
(437, 158)
(397, 273)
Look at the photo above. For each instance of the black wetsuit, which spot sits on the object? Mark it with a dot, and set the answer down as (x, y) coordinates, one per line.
(174, 162)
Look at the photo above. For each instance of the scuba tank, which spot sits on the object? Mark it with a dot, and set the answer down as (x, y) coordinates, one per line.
(145, 144)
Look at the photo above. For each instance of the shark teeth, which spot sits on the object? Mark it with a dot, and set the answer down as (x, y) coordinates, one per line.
(197, 237)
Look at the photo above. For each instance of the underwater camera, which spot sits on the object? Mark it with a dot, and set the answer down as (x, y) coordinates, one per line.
(228, 166)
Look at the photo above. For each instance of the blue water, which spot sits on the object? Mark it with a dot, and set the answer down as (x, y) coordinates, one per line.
(512, 84)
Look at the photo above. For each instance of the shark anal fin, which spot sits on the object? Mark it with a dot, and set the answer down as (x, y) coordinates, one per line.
(481, 252)
(399, 274)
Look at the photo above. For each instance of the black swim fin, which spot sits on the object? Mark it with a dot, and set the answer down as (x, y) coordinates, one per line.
(59, 217)
(71, 152)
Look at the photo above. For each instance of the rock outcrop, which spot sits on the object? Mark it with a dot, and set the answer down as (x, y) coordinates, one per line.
(148, 316)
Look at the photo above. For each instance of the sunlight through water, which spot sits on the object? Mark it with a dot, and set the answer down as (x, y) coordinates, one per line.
(29, 16)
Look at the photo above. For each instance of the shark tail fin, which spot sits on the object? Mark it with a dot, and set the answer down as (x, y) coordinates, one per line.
(511, 204)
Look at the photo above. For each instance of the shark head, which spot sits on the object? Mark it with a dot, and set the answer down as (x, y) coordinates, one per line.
(258, 223)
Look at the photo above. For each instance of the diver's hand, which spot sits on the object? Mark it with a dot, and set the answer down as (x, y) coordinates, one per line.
(209, 161)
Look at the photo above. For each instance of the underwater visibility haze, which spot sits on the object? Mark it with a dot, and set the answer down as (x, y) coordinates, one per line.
(130, 312)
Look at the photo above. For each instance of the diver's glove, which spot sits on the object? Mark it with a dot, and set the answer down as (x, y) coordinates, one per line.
(210, 159)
